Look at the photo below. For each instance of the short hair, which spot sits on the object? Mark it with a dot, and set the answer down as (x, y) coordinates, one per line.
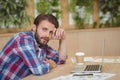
(52, 19)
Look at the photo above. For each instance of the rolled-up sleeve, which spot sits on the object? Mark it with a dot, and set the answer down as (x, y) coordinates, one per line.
(53, 54)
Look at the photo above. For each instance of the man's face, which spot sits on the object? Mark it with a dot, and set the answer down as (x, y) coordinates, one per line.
(44, 32)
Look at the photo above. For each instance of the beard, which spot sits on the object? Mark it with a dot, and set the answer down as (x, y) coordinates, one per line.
(38, 39)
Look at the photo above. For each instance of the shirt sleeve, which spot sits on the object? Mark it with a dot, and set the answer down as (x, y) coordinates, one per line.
(27, 51)
(53, 54)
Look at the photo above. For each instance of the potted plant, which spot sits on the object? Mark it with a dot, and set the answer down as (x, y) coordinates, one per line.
(49, 7)
(13, 14)
(110, 13)
(81, 11)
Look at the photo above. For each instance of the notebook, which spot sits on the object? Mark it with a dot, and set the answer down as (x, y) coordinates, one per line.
(91, 68)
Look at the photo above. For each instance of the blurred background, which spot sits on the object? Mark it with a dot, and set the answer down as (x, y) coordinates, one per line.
(87, 22)
(72, 14)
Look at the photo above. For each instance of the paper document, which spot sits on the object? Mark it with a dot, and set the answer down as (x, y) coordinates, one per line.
(106, 60)
(96, 76)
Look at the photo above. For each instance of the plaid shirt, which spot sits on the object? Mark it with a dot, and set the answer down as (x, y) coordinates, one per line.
(21, 56)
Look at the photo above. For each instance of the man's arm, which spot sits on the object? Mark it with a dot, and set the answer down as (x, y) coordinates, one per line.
(60, 35)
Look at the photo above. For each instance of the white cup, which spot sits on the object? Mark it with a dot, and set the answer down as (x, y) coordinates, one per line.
(80, 57)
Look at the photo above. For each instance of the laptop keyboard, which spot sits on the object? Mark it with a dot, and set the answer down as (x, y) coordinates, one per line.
(93, 68)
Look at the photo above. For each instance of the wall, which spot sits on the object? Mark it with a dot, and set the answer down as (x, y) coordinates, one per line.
(89, 41)
(4, 38)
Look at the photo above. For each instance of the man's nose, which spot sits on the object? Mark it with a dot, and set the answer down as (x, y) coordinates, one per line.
(47, 34)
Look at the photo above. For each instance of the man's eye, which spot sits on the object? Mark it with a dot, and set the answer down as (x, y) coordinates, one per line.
(51, 32)
(44, 29)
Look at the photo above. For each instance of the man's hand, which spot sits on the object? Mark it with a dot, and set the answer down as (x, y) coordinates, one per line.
(52, 63)
(58, 34)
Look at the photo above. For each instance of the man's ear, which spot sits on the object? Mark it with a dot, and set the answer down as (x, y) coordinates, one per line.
(34, 27)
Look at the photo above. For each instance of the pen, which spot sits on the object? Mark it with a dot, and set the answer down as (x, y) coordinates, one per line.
(86, 74)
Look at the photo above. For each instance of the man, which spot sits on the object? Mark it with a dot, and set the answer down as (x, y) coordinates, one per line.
(28, 53)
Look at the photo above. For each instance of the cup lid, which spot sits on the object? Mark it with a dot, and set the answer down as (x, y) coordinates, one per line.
(79, 53)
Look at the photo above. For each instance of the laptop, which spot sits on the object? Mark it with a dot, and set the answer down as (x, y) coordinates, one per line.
(91, 68)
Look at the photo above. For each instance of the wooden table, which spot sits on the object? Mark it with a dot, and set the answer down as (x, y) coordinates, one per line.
(65, 69)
